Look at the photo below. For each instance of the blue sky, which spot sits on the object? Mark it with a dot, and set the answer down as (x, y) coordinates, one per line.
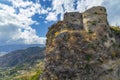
(27, 21)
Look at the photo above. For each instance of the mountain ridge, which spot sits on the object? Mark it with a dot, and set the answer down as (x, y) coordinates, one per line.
(19, 57)
(13, 47)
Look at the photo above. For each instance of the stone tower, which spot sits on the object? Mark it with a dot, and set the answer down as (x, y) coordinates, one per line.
(93, 17)
(74, 18)
(95, 20)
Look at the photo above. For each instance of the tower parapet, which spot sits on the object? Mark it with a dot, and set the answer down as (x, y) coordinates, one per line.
(94, 16)
(73, 18)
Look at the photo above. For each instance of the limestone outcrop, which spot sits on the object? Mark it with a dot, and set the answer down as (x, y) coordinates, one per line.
(82, 47)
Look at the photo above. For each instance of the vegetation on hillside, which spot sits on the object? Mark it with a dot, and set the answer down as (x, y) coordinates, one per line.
(22, 73)
(24, 64)
(115, 29)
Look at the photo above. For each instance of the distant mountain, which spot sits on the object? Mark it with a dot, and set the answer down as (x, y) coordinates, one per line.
(13, 47)
(20, 57)
(2, 53)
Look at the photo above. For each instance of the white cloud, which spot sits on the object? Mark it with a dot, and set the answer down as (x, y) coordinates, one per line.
(60, 7)
(28, 36)
(51, 16)
(43, 11)
(15, 27)
(20, 3)
(86, 4)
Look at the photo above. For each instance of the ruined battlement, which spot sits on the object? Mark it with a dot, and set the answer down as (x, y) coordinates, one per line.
(73, 18)
(91, 17)
(94, 18)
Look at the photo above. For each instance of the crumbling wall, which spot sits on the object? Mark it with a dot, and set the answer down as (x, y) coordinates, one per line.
(95, 20)
(73, 18)
(94, 17)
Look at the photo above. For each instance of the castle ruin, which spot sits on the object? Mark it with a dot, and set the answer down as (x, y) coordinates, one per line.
(78, 47)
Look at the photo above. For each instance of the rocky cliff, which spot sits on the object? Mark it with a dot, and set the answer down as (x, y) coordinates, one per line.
(82, 47)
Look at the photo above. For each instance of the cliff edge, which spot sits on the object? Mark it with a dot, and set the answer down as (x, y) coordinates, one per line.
(82, 47)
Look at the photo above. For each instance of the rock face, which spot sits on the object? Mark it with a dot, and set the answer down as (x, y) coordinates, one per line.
(82, 47)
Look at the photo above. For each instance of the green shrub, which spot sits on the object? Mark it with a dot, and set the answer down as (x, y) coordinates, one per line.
(36, 76)
(88, 57)
(93, 22)
(91, 46)
(95, 13)
(116, 30)
(90, 31)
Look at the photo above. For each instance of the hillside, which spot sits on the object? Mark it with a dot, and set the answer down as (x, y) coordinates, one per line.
(25, 64)
(82, 47)
(20, 57)
(22, 72)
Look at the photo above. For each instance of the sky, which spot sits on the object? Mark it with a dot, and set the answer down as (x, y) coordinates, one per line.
(27, 21)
